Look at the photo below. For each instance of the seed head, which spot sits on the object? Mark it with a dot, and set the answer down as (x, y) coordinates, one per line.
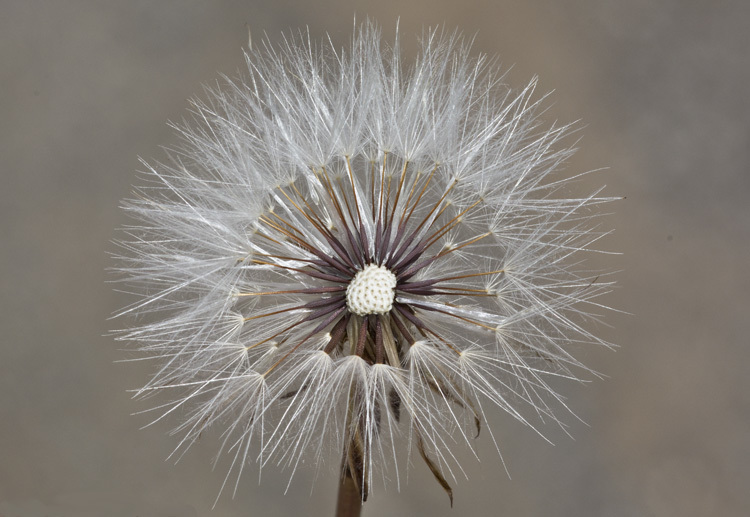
(349, 253)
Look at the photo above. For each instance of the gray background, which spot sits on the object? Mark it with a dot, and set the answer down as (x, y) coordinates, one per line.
(662, 87)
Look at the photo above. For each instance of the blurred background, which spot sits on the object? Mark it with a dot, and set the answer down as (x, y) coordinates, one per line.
(662, 88)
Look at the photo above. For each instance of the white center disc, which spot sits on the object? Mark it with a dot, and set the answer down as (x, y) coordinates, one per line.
(371, 291)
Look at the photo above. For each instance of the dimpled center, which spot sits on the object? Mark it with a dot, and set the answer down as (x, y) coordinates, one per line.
(371, 291)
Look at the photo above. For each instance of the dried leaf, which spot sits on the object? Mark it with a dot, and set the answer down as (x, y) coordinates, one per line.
(433, 468)
(394, 402)
(456, 395)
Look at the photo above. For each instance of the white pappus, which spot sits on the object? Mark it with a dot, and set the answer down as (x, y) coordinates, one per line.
(352, 254)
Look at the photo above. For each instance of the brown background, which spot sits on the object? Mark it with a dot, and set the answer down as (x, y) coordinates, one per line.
(86, 87)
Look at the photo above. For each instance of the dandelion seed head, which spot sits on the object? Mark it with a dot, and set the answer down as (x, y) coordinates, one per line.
(348, 252)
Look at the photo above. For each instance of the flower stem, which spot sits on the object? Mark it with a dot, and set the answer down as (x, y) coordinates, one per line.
(349, 502)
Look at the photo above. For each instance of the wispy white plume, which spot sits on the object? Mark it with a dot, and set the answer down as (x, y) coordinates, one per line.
(267, 247)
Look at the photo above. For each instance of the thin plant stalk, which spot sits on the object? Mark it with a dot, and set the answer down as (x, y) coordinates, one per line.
(349, 501)
(352, 491)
